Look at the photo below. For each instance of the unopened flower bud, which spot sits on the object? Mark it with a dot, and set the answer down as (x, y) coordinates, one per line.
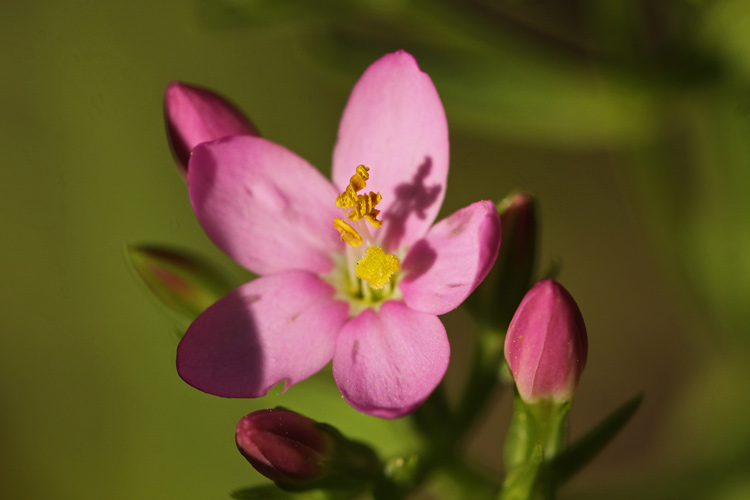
(518, 217)
(182, 282)
(515, 262)
(299, 453)
(498, 296)
(194, 115)
(282, 445)
(546, 345)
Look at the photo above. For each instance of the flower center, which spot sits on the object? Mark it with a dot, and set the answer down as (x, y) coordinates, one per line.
(375, 267)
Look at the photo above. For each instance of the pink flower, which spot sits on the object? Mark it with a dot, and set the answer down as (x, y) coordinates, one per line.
(370, 304)
(546, 346)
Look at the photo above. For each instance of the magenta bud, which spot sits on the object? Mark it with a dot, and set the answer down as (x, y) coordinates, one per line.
(515, 262)
(518, 218)
(284, 446)
(546, 345)
(195, 115)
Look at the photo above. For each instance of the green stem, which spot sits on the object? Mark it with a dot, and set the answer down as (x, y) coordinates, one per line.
(435, 420)
(483, 379)
(536, 436)
(444, 428)
(550, 421)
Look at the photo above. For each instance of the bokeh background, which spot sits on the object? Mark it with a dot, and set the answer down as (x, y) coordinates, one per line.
(629, 119)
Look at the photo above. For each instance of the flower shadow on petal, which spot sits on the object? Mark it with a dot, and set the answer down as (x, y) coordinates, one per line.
(411, 199)
(276, 328)
(420, 259)
(221, 352)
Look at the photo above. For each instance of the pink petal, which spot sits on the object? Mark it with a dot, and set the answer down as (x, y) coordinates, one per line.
(386, 363)
(194, 115)
(276, 328)
(394, 123)
(264, 206)
(443, 269)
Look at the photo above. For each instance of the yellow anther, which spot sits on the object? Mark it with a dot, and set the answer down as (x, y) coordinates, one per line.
(348, 233)
(362, 205)
(362, 171)
(364, 208)
(346, 199)
(372, 220)
(377, 267)
(357, 182)
(361, 176)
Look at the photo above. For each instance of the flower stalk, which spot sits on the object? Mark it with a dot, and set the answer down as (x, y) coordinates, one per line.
(546, 349)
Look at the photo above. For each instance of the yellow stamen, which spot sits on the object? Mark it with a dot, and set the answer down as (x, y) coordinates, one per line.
(377, 267)
(356, 183)
(348, 233)
(362, 205)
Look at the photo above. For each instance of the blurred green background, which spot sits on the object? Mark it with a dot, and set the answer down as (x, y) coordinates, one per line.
(630, 120)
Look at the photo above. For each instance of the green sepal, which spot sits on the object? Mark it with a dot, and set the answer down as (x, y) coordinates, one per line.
(580, 453)
(542, 423)
(183, 283)
(349, 468)
(350, 459)
(400, 476)
(519, 441)
(552, 271)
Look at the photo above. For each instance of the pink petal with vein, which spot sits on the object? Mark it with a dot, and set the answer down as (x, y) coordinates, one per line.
(394, 123)
(444, 267)
(263, 205)
(278, 328)
(386, 363)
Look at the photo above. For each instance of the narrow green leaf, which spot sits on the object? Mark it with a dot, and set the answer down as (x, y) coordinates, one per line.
(580, 453)
(552, 271)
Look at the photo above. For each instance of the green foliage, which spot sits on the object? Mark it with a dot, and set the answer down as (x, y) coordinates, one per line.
(568, 463)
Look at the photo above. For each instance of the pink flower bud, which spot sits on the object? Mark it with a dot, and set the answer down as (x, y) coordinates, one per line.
(515, 262)
(546, 344)
(282, 445)
(194, 115)
(518, 218)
